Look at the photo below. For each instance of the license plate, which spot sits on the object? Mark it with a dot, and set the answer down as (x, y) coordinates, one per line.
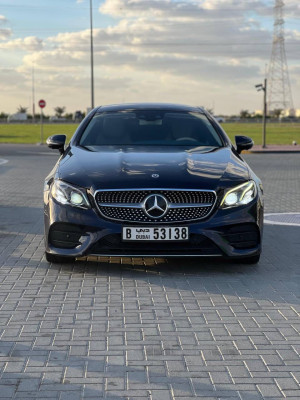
(155, 234)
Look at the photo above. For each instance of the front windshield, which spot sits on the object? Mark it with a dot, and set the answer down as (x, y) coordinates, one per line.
(150, 127)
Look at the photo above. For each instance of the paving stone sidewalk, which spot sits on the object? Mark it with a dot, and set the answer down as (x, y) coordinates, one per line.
(146, 328)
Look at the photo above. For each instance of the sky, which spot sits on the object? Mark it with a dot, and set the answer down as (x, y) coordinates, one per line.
(208, 53)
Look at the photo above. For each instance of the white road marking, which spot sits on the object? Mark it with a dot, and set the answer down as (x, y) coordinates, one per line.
(278, 218)
(3, 161)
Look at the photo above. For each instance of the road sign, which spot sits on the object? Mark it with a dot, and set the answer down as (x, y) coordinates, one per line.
(42, 103)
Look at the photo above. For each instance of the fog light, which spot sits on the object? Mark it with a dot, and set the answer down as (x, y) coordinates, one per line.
(76, 199)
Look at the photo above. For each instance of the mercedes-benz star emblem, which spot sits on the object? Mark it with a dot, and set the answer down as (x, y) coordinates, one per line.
(155, 206)
(155, 176)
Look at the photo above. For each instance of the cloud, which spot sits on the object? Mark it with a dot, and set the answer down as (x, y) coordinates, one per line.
(216, 38)
(4, 32)
(199, 67)
(29, 43)
(209, 29)
(292, 9)
(161, 49)
(156, 28)
(12, 80)
(53, 61)
(165, 9)
(165, 37)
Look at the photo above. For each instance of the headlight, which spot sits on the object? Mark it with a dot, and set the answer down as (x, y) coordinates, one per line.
(242, 194)
(67, 194)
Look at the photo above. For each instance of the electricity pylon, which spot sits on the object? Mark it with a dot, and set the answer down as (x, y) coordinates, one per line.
(279, 93)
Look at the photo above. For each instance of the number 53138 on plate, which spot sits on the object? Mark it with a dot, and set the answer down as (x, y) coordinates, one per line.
(155, 234)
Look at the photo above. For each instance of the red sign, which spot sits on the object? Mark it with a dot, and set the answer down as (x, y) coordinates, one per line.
(42, 103)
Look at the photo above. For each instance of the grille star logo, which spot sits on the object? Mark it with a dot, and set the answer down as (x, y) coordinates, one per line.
(155, 206)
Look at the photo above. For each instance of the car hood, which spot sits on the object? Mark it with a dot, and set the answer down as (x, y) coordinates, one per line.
(152, 167)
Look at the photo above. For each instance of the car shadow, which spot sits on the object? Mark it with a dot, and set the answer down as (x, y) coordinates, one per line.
(276, 277)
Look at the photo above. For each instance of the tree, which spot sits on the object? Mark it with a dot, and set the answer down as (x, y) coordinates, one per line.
(244, 114)
(277, 112)
(59, 111)
(3, 115)
(36, 116)
(68, 116)
(22, 110)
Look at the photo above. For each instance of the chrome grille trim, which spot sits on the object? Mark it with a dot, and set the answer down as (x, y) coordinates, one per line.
(140, 205)
(178, 211)
(121, 205)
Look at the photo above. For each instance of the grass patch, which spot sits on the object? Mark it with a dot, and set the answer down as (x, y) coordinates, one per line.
(31, 133)
(276, 133)
(279, 133)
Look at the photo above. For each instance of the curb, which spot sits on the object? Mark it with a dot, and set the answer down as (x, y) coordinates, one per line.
(272, 151)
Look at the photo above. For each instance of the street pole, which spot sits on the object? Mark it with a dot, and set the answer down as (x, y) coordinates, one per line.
(42, 130)
(33, 100)
(92, 55)
(265, 114)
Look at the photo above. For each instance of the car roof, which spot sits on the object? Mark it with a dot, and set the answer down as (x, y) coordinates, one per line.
(149, 106)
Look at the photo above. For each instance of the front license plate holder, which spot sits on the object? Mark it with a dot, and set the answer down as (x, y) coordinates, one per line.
(155, 234)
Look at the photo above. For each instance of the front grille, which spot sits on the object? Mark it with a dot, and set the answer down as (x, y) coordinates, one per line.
(138, 215)
(197, 245)
(127, 205)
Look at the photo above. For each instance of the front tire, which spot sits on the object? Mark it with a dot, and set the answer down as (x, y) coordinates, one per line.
(54, 259)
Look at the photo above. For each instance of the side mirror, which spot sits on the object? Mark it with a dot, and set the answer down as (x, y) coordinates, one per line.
(243, 143)
(57, 142)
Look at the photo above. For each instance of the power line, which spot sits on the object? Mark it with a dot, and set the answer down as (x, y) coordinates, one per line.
(137, 8)
(180, 9)
(185, 44)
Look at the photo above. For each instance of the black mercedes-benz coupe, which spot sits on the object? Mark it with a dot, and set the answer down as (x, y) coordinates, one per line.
(152, 180)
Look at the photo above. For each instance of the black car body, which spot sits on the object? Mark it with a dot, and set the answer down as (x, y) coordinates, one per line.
(152, 180)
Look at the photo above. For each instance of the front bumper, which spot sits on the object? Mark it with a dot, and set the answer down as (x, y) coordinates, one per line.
(74, 232)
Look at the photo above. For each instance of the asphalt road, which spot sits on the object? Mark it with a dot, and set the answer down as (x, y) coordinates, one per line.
(146, 328)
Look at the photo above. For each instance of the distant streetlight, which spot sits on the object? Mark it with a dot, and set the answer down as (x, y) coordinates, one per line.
(263, 87)
(33, 95)
(92, 55)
